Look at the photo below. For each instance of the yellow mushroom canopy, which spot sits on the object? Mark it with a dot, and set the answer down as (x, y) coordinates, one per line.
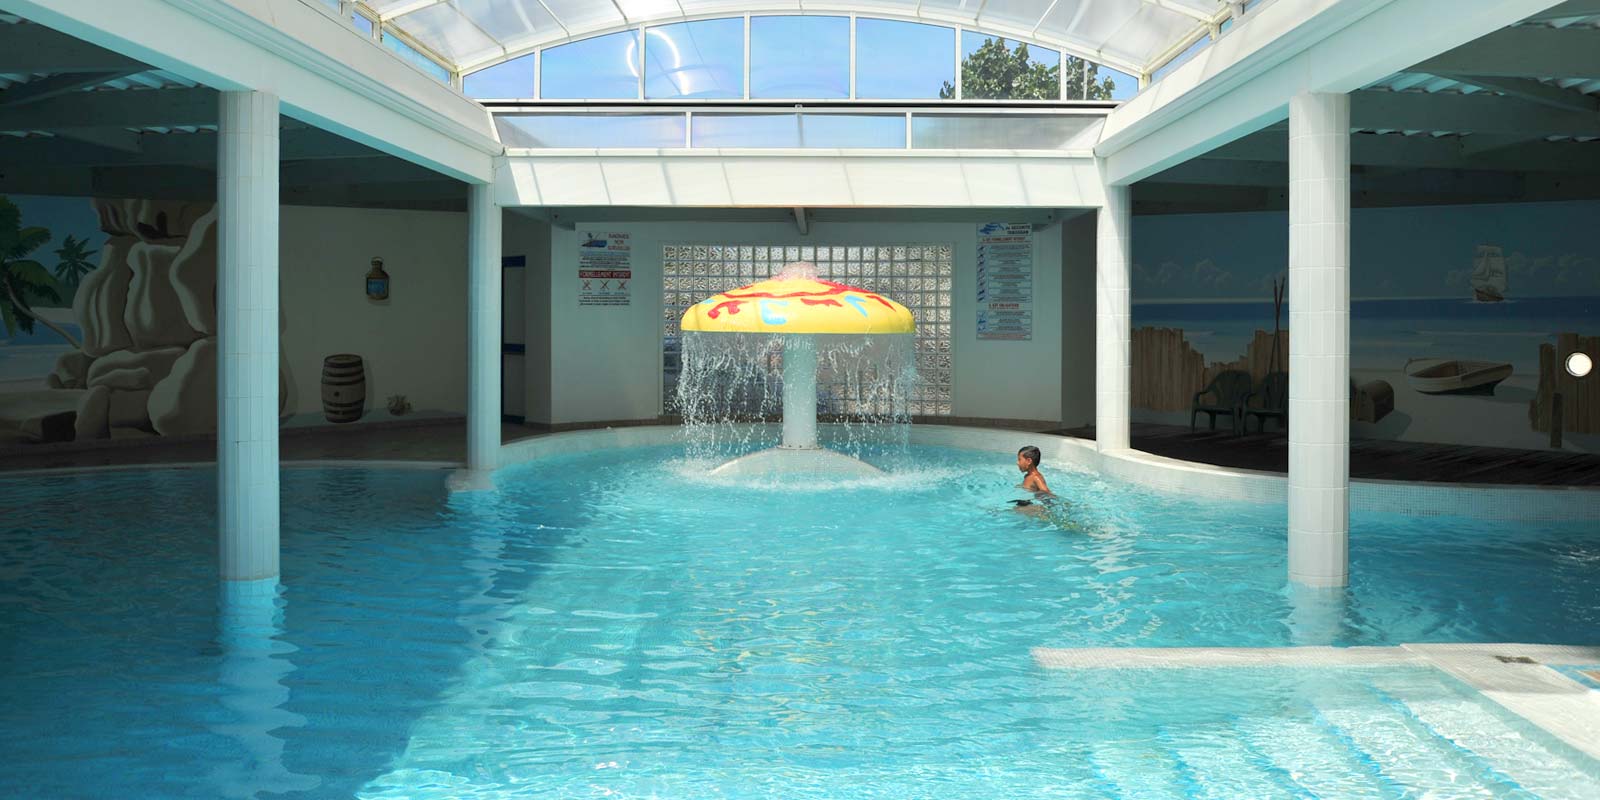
(791, 303)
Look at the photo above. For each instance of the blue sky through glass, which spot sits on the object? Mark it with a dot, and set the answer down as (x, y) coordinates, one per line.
(903, 59)
(421, 61)
(1124, 85)
(512, 78)
(794, 57)
(604, 67)
(695, 59)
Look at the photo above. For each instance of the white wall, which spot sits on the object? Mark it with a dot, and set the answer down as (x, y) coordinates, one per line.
(416, 345)
(605, 362)
(714, 179)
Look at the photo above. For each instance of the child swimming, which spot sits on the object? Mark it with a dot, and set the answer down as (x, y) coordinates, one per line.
(1032, 480)
(1028, 462)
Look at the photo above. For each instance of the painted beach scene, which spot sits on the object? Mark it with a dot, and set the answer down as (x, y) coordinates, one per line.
(1460, 319)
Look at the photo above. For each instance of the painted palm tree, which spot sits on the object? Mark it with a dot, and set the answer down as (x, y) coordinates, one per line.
(22, 279)
(73, 261)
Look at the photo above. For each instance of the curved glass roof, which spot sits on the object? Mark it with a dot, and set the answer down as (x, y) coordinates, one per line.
(1135, 36)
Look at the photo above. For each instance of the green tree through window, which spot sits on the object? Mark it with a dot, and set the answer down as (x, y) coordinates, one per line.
(1098, 88)
(997, 72)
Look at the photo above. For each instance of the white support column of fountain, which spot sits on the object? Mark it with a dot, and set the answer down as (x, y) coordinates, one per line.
(483, 328)
(800, 392)
(247, 336)
(1113, 265)
(1319, 339)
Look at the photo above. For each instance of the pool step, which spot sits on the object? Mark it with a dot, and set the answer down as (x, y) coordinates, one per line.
(1409, 754)
(1314, 760)
(1222, 767)
(1140, 769)
(1539, 768)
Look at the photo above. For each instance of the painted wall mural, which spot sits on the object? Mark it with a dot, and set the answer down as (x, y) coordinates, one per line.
(1460, 319)
(110, 320)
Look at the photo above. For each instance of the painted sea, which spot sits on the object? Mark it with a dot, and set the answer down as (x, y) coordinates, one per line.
(1385, 333)
(25, 358)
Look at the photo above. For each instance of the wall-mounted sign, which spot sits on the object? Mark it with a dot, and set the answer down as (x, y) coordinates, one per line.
(1005, 281)
(605, 269)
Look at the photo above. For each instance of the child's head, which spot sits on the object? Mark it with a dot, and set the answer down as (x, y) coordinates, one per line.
(1028, 458)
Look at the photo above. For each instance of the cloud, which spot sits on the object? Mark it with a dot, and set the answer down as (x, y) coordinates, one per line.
(1207, 274)
(1164, 275)
(1201, 279)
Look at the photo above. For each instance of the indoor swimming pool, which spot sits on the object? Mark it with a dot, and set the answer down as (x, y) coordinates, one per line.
(617, 624)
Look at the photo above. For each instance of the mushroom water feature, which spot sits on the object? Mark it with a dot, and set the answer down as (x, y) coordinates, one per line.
(850, 330)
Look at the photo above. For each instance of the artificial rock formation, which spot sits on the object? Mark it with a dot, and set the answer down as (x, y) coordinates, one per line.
(149, 320)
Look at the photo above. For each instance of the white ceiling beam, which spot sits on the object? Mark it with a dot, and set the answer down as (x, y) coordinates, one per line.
(1044, 16)
(1568, 10)
(1534, 92)
(118, 139)
(141, 109)
(1420, 152)
(1283, 48)
(1480, 112)
(1187, 10)
(399, 10)
(114, 147)
(1523, 51)
(44, 88)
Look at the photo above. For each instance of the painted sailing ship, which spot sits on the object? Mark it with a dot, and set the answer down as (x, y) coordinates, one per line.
(1489, 275)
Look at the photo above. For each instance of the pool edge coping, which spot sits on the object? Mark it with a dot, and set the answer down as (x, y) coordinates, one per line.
(1512, 502)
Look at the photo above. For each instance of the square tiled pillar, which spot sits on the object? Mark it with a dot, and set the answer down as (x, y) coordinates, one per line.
(1113, 264)
(1319, 339)
(483, 328)
(247, 335)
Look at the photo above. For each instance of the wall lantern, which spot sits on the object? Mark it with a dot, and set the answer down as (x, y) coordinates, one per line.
(1579, 364)
(377, 282)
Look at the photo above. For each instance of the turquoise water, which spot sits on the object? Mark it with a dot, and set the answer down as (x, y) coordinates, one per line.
(617, 625)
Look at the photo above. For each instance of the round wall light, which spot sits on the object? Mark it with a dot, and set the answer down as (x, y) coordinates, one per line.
(1579, 364)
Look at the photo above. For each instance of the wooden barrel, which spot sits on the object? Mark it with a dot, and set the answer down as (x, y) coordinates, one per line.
(344, 387)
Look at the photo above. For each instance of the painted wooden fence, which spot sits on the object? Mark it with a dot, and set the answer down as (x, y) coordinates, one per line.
(1167, 370)
(1580, 397)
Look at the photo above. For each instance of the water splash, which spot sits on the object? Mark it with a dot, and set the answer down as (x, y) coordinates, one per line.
(730, 393)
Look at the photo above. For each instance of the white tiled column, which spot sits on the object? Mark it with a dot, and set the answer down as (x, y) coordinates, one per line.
(247, 335)
(1113, 264)
(483, 328)
(1319, 339)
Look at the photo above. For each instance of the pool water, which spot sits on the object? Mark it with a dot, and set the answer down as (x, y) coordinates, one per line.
(615, 624)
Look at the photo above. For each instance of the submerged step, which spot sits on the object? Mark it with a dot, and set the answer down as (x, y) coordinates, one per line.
(1140, 769)
(1220, 767)
(1315, 760)
(1411, 755)
(1540, 769)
